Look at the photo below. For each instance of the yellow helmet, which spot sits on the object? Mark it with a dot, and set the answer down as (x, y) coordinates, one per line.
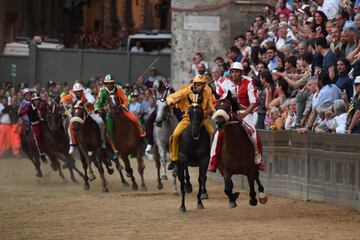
(200, 79)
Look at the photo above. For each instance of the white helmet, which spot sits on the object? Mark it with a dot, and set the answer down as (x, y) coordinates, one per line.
(237, 65)
(25, 91)
(77, 87)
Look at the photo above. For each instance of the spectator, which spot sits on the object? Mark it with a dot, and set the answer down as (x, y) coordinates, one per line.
(343, 81)
(337, 124)
(5, 127)
(354, 109)
(137, 47)
(272, 58)
(329, 7)
(197, 60)
(235, 54)
(154, 76)
(134, 105)
(328, 93)
(329, 62)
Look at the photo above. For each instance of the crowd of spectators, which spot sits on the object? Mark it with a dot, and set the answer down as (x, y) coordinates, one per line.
(304, 58)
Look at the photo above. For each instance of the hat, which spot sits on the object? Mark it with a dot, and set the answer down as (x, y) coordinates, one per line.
(236, 65)
(303, 7)
(153, 69)
(77, 87)
(200, 79)
(109, 79)
(134, 94)
(26, 90)
(35, 96)
(309, 20)
(357, 80)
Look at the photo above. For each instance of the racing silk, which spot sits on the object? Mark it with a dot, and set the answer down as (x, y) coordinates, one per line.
(244, 90)
(85, 97)
(180, 98)
(36, 114)
(23, 108)
(102, 100)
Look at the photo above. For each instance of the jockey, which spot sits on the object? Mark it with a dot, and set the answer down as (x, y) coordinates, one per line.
(102, 103)
(162, 90)
(180, 98)
(245, 91)
(36, 113)
(78, 94)
(25, 104)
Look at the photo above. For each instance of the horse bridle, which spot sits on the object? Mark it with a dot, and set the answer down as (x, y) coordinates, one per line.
(53, 111)
(167, 117)
(85, 114)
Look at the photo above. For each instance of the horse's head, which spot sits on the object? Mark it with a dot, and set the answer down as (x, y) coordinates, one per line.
(55, 115)
(114, 103)
(196, 115)
(163, 111)
(79, 115)
(223, 109)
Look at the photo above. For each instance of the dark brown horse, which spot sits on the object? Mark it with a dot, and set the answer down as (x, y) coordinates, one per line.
(237, 152)
(87, 135)
(127, 140)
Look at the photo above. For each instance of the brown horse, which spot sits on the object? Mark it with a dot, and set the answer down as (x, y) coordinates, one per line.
(87, 135)
(237, 152)
(127, 140)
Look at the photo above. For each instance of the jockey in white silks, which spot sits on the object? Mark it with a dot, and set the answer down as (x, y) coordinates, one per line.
(244, 90)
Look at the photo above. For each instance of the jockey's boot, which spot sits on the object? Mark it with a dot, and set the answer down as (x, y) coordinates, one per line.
(44, 158)
(259, 162)
(148, 148)
(172, 165)
(71, 149)
(116, 155)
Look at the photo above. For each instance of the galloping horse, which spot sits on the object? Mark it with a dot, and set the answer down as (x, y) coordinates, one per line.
(127, 140)
(194, 151)
(164, 126)
(87, 135)
(237, 152)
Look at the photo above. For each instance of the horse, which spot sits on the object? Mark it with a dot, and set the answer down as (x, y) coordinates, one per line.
(57, 142)
(194, 151)
(127, 140)
(165, 123)
(87, 136)
(237, 152)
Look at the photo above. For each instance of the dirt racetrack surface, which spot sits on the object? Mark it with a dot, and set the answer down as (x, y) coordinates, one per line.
(47, 208)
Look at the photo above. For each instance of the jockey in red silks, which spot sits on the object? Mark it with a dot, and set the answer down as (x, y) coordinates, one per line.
(244, 90)
(36, 112)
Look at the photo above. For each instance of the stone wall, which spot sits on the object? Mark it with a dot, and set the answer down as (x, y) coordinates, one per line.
(235, 18)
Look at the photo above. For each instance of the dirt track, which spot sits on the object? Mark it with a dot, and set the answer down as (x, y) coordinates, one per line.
(49, 209)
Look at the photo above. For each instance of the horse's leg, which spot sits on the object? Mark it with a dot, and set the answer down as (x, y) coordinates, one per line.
(141, 167)
(262, 196)
(88, 162)
(70, 163)
(162, 153)
(86, 178)
(119, 168)
(35, 160)
(188, 186)
(201, 180)
(157, 165)
(100, 168)
(56, 166)
(181, 177)
(129, 172)
(175, 191)
(203, 170)
(228, 191)
(252, 193)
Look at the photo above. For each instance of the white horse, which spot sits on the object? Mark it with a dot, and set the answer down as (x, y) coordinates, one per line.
(164, 126)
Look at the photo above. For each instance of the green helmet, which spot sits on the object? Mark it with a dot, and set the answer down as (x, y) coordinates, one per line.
(109, 79)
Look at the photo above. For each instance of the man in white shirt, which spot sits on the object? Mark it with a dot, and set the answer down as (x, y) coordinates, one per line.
(329, 7)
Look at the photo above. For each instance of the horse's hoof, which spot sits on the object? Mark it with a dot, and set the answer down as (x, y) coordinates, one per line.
(128, 175)
(110, 171)
(164, 177)
(263, 198)
(188, 188)
(232, 205)
(253, 202)
(204, 196)
(182, 209)
(200, 206)
(135, 187)
(39, 174)
(92, 178)
(105, 190)
(86, 187)
(144, 189)
(160, 186)
(125, 184)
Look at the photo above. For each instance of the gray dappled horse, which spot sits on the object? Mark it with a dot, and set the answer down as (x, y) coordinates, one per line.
(164, 126)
